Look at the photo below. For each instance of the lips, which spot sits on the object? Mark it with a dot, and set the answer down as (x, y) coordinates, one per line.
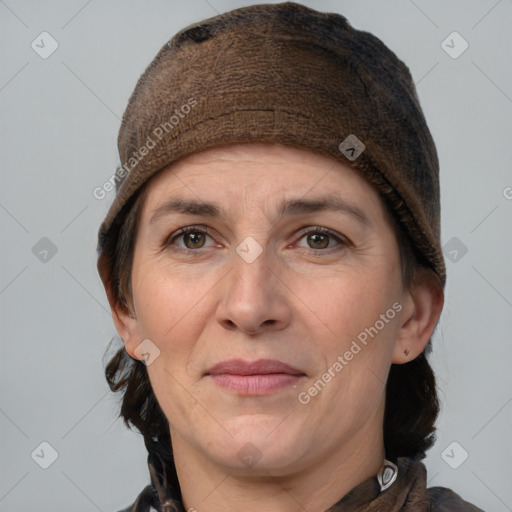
(260, 367)
(254, 377)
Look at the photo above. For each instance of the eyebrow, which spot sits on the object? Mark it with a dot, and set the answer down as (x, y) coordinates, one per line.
(289, 207)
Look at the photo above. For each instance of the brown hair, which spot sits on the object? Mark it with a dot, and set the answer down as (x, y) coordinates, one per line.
(412, 404)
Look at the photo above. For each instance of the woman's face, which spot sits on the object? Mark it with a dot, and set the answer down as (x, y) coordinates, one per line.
(270, 327)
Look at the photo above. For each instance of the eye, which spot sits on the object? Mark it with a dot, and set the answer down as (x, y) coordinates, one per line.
(319, 239)
(193, 238)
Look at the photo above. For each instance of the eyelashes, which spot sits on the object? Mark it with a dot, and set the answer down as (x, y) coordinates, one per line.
(187, 232)
(198, 235)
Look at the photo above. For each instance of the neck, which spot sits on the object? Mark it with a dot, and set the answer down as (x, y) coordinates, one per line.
(207, 486)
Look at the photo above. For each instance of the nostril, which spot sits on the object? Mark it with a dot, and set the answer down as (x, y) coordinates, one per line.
(229, 324)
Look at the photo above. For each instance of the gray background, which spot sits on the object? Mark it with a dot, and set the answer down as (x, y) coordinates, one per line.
(59, 123)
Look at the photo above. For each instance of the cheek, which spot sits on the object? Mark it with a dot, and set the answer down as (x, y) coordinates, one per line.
(172, 315)
(358, 346)
(346, 303)
(168, 309)
(354, 320)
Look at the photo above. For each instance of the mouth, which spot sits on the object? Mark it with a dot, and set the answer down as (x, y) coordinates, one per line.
(255, 378)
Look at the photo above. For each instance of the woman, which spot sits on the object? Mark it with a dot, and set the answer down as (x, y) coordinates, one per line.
(272, 261)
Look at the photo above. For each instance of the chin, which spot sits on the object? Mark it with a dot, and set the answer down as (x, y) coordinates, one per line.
(258, 443)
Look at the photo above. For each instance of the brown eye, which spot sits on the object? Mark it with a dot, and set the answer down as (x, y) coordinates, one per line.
(319, 240)
(195, 238)
(323, 241)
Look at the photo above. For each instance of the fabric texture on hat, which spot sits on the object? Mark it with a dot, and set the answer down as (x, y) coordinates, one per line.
(289, 74)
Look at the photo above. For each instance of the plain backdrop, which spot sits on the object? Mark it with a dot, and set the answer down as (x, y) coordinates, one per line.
(59, 118)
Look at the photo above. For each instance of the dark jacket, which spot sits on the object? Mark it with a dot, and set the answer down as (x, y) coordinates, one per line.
(408, 493)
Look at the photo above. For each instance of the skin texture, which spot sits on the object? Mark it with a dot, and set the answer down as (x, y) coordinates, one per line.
(272, 451)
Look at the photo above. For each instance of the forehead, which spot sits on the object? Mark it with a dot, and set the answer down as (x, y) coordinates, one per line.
(259, 173)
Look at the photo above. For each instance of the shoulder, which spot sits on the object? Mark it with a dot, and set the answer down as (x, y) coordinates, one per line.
(445, 500)
(147, 501)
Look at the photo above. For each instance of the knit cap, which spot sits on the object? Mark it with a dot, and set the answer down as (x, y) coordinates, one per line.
(289, 74)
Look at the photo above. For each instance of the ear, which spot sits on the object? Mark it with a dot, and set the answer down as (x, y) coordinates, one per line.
(125, 322)
(423, 303)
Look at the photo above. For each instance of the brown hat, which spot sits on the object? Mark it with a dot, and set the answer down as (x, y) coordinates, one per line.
(289, 74)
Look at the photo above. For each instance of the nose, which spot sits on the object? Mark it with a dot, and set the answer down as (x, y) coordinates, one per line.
(253, 298)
